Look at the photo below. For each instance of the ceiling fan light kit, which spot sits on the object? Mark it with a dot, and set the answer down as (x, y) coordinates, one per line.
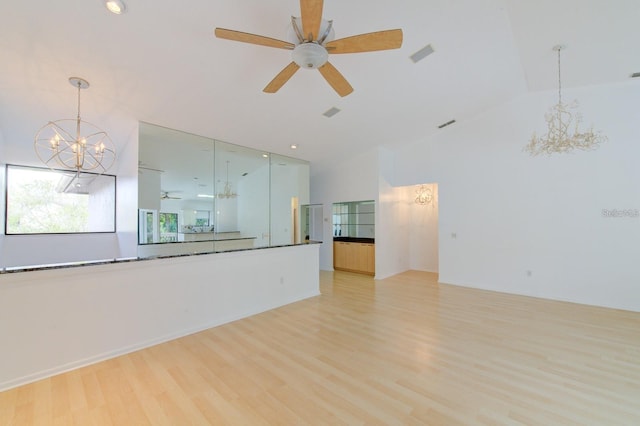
(116, 7)
(312, 43)
(310, 55)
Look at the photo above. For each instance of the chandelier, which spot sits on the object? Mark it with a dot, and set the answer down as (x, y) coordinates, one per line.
(62, 144)
(563, 134)
(424, 195)
(227, 192)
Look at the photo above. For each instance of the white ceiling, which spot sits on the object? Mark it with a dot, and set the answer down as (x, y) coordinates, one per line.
(160, 63)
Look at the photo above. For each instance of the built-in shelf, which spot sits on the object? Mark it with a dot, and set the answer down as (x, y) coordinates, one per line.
(354, 219)
(354, 236)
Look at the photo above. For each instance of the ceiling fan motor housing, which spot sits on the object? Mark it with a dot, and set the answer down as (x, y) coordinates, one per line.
(310, 55)
(308, 35)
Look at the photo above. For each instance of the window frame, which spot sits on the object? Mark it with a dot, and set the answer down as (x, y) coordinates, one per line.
(6, 232)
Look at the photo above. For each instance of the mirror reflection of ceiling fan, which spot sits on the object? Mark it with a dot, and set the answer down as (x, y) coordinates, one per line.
(313, 44)
(164, 195)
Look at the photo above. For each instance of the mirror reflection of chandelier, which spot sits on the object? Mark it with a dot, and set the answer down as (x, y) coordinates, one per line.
(75, 144)
(227, 192)
(563, 133)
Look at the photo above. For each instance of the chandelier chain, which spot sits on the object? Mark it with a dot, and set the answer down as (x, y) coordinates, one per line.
(79, 87)
(78, 120)
(559, 79)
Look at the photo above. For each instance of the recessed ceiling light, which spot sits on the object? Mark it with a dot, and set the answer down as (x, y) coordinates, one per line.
(294, 146)
(265, 155)
(115, 6)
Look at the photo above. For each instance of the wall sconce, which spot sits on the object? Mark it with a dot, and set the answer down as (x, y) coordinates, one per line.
(424, 195)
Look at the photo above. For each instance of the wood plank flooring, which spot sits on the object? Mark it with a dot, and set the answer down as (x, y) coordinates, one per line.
(403, 350)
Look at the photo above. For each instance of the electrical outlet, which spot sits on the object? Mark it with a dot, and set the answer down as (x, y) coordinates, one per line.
(454, 235)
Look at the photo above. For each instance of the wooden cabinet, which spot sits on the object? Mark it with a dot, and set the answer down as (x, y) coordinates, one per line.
(354, 257)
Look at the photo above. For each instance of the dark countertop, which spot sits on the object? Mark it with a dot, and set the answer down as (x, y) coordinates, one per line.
(81, 264)
(355, 240)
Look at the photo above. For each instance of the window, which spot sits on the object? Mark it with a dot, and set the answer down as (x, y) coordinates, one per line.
(45, 201)
(168, 227)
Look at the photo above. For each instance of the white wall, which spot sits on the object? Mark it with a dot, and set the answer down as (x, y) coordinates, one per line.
(60, 319)
(253, 205)
(392, 222)
(287, 182)
(148, 189)
(353, 179)
(423, 238)
(2, 200)
(102, 203)
(512, 213)
(227, 215)
(127, 187)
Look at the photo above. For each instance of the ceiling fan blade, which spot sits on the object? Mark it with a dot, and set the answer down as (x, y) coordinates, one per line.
(379, 40)
(252, 38)
(335, 79)
(282, 77)
(311, 14)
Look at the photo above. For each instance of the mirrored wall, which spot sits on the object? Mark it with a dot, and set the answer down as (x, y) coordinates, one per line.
(199, 195)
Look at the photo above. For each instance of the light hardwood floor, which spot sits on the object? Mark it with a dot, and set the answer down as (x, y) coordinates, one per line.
(404, 350)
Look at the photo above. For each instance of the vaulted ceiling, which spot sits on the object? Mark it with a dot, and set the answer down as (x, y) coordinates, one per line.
(160, 63)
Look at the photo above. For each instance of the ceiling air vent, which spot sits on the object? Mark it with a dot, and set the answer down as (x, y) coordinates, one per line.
(331, 112)
(448, 123)
(635, 75)
(422, 53)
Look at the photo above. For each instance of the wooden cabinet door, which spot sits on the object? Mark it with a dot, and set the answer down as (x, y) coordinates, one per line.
(339, 255)
(369, 258)
(354, 257)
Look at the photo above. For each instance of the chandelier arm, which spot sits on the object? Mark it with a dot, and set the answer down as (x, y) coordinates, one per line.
(101, 132)
(60, 131)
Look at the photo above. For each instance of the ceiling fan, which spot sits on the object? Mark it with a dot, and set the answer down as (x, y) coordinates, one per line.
(164, 195)
(312, 46)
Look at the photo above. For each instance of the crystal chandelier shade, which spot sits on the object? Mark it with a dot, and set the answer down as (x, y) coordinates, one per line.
(563, 128)
(75, 144)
